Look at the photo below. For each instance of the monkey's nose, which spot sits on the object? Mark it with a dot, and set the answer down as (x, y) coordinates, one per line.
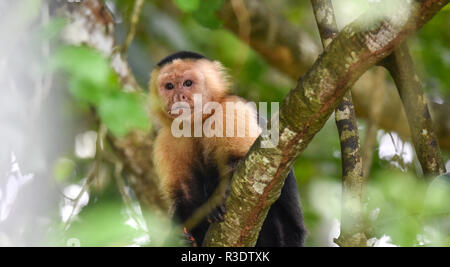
(180, 97)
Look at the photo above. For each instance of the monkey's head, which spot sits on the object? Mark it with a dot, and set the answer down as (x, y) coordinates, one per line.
(180, 76)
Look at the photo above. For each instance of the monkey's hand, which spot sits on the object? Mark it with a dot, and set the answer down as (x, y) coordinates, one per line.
(189, 238)
(217, 214)
(222, 191)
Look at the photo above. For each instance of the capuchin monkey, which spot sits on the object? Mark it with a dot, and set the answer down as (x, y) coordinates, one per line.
(190, 166)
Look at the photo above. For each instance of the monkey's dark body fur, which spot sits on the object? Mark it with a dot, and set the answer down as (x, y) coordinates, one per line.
(283, 226)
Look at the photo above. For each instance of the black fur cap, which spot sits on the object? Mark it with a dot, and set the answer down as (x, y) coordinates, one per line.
(180, 55)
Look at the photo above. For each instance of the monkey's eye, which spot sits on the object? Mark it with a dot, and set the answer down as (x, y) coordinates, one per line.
(188, 83)
(169, 86)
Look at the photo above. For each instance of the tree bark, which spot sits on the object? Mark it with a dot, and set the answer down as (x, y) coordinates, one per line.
(352, 230)
(401, 67)
(258, 180)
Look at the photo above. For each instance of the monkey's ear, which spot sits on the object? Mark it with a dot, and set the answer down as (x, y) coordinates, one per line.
(155, 101)
(223, 73)
(219, 66)
(153, 84)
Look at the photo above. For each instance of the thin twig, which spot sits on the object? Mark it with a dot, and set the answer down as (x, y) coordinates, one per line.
(133, 23)
(401, 66)
(398, 152)
(245, 27)
(118, 168)
(243, 18)
(93, 173)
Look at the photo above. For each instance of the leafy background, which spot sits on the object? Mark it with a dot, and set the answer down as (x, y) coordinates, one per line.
(401, 208)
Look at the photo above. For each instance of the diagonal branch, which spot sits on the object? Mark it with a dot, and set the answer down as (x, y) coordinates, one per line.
(306, 108)
(401, 67)
(292, 51)
(288, 48)
(133, 23)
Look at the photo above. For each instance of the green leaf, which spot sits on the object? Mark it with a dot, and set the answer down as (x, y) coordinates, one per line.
(91, 77)
(212, 4)
(187, 5)
(90, 92)
(83, 63)
(93, 81)
(85, 91)
(122, 112)
(207, 20)
(205, 15)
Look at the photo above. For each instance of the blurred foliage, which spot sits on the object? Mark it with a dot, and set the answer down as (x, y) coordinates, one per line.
(432, 50)
(53, 28)
(93, 81)
(63, 169)
(399, 204)
(202, 10)
(107, 222)
(106, 226)
(407, 209)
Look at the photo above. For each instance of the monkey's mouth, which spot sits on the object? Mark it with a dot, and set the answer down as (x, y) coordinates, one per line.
(178, 111)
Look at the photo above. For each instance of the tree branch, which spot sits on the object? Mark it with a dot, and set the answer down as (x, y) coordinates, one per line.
(305, 110)
(134, 20)
(283, 45)
(292, 51)
(401, 67)
(352, 230)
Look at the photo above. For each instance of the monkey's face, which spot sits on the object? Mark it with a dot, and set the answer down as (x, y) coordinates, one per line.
(177, 84)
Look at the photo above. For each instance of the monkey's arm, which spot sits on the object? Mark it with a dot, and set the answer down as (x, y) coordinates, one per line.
(173, 159)
(243, 132)
(231, 148)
